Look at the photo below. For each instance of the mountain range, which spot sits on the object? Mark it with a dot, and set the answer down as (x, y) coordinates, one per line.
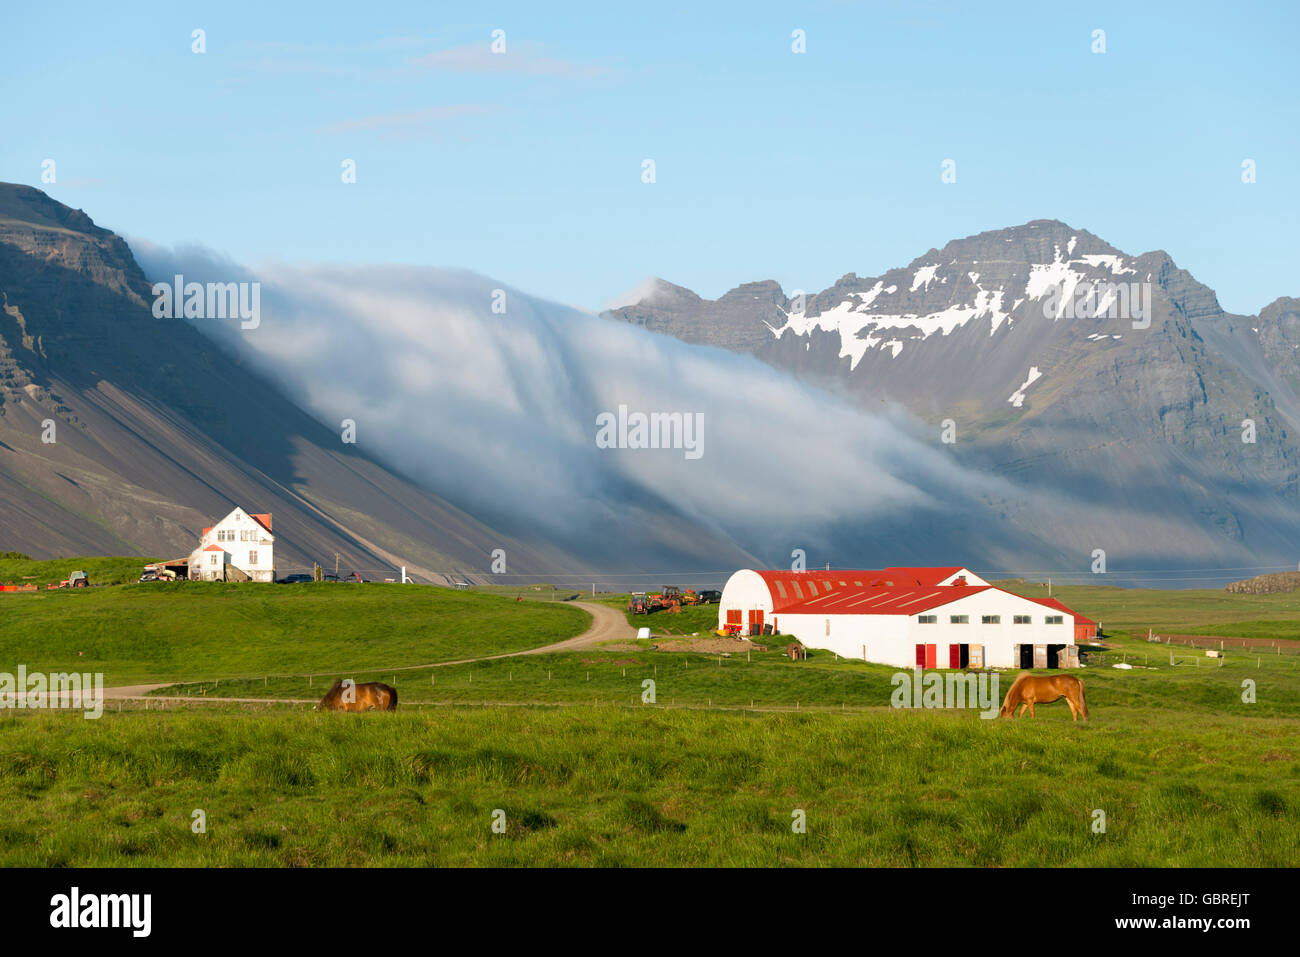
(158, 431)
(1165, 427)
(1014, 401)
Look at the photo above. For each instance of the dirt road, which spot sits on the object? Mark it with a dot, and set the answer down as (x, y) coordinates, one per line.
(607, 624)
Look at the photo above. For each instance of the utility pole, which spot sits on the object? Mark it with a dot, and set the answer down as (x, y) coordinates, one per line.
(336, 564)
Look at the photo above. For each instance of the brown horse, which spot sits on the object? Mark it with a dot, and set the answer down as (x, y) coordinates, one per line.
(371, 696)
(1030, 689)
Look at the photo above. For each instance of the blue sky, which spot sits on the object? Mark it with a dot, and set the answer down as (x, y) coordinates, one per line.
(769, 164)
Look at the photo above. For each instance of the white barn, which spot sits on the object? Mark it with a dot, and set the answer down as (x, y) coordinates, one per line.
(240, 547)
(908, 617)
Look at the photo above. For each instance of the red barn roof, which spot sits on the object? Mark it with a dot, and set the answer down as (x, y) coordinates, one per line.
(882, 601)
(884, 591)
(1053, 603)
(792, 588)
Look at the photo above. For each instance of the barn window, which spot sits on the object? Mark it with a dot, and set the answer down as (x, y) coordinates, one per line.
(927, 619)
(780, 587)
(1021, 619)
(797, 591)
(828, 585)
(991, 620)
(1055, 620)
(812, 587)
(959, 619)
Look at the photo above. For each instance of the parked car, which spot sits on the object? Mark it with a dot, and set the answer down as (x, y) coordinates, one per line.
(710, 596)
(295, 579)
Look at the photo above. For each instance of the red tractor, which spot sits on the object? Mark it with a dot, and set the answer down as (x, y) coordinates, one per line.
(638, 604)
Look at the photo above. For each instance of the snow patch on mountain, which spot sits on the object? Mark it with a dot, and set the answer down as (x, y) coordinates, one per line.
(924, 276)
(1114, 263)
(1017, 398)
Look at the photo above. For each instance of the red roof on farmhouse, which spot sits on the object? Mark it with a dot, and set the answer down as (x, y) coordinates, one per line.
(263, 519)
(214, 548)
(1053, 603)
(882, 601)
(794, 588)
(884, 591)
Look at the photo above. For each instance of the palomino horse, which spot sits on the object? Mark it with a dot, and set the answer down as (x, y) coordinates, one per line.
(371, 696)
(1030, 689)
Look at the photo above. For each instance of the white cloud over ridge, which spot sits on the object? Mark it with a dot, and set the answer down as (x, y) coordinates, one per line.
(498, 412)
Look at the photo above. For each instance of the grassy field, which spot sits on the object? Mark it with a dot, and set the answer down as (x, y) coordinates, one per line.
(101, 571)
(1201, 611)
(1186, 772)
(189, 630)
(617, 786)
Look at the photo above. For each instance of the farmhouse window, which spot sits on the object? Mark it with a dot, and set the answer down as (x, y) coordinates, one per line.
(927, 619)
(252, 558)
(212, 559)
(991, 620)
(1021, 619)
(959, 619)
(1055, 620)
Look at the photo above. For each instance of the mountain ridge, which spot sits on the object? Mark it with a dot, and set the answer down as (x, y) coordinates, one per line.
(157, 431)
(976, 333)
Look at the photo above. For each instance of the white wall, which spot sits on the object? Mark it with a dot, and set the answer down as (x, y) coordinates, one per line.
(892, 639)
(237, 550)
(745, 590)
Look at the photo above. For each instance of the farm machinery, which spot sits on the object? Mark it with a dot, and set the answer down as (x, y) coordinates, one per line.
(671, 599)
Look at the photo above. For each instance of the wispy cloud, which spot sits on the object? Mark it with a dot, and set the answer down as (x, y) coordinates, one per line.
(415, 118)
(499, 412)
(524, 59)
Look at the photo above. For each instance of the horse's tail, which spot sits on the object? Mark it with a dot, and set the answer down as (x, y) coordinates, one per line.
(392, 700)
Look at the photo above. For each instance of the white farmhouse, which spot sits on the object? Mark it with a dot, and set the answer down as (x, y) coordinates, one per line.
(240, 547)
(907, 617)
